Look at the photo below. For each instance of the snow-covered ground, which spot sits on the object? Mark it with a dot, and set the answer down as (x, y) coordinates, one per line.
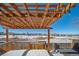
(34, 52)
(38, 52)
(24, 38)
(14, 53)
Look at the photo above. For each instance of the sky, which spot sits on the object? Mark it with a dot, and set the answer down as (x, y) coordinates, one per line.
(67, 24)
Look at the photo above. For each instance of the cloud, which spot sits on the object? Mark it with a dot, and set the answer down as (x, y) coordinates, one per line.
(75, 22)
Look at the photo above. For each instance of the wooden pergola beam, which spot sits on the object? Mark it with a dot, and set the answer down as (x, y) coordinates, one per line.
(34, 5)
(25, 22)
(3, 13)
(22, 20)
(33, 28)
(6, 24)
(46, 11)
(18, 22)
(54, 13)
(5, 21)
(9, 23)
(28, 19)
(6, 9)
(68, 7)
(28, 14)
(40, 15)
(36, 10)
(16, 9)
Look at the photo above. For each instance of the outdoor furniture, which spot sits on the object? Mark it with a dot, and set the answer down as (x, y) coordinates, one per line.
(67, 51)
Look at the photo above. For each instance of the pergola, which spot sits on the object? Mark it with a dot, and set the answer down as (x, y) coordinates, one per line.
(32, 15)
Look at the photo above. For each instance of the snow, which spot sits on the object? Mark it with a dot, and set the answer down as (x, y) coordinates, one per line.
(58, 54)
(57, 40)
(14, 53)
(36, 52)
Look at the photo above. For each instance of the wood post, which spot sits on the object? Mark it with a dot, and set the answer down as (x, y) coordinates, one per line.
(48, 39)
(6, 35)
(6, 39)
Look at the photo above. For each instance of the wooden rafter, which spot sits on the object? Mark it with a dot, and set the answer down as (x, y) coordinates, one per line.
(25, 22)
(16, 9)
(46, 10)
(6, 22)
(3, 13)
(28, 14)
(63, 12)
(9, 23)
(36, 10)
(6, 9)
(39, 16)
(22, 20)
(55, 13)
(10, 12)
(36, 6)
(16, 22)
